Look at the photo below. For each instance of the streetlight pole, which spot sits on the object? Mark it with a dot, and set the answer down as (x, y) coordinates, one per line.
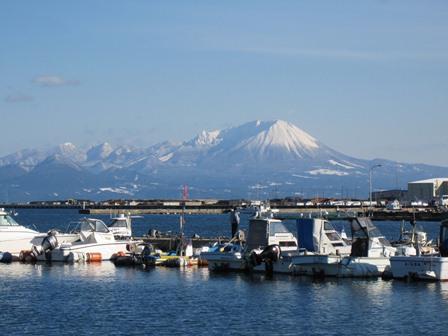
(370, 193)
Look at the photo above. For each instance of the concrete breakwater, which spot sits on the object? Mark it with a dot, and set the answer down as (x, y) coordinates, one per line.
(290, 213)
(379, 214)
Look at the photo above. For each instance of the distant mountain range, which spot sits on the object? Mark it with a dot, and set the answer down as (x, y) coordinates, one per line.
(256, 160)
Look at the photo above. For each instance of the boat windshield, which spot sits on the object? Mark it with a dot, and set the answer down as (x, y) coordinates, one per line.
(331, 233)
(328, 226)
(363, 227)
(7, 220)
(94, 225)
(277, 227)
(118, 223)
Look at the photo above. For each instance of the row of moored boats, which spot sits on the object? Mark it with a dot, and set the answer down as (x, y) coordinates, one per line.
(317, 248)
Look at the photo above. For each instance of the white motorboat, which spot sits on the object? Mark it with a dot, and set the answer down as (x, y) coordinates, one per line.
(18, 240)
(95, 243)
(257, 208)
(325, 253)
(395, 205)
(321, 248)
(424, 266)
(14, 237)
(268, 248)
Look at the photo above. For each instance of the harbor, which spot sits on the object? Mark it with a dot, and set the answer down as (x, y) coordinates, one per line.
(137, 299)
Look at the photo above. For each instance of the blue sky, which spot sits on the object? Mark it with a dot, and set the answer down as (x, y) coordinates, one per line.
(366, 78)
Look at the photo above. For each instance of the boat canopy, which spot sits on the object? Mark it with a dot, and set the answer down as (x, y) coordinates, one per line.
(364, 233)
(258, 234)
(267, 231)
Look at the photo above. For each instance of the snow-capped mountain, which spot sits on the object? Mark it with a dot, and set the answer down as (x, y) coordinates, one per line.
(259, 159)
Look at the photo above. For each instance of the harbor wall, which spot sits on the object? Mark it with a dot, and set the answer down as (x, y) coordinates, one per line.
(379, 214)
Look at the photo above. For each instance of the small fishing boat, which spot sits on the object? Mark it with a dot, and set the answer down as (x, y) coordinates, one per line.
(257, 208)
(325, 253)
(409, 240)
(395, 205)
(267, 248)
(424, 266)
(321, 248)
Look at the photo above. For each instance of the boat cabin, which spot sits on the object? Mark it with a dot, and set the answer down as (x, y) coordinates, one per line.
(318, 235)
(367, 240)
(92, 230)
(121, 226)
(268, 231)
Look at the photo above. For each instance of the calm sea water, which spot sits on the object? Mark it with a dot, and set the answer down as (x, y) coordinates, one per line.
(98, 299)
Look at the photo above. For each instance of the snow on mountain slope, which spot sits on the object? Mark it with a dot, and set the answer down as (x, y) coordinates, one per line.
(220, 163)
(100, 151)
(250, 142)
(279, 135)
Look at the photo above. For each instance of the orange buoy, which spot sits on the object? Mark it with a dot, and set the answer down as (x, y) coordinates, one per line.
(94, 257)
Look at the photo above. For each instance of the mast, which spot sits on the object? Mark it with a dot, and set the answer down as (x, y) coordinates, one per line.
(182, 222)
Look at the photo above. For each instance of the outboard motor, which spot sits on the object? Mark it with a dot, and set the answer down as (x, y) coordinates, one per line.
(270, 255)
(146, 257)
(49, 243)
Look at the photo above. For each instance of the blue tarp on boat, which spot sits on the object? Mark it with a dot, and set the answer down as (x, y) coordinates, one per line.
(305, 233)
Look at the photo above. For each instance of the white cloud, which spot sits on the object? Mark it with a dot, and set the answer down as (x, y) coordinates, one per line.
(53, 81)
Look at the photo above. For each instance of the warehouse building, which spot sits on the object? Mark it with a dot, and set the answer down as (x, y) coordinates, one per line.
(428, 190)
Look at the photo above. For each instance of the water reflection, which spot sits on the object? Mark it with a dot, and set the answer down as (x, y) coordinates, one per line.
(104, 299)
(170, 297)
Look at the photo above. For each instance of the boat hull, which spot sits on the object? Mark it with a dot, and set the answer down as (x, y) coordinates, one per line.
(364, 267)
(240, 262)
(15, 245)
(316, 265)
(419, 268)
(225, 261)
(340, 266)
(82, 252)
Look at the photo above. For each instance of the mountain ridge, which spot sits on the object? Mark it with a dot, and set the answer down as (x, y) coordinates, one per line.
(231, 163)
